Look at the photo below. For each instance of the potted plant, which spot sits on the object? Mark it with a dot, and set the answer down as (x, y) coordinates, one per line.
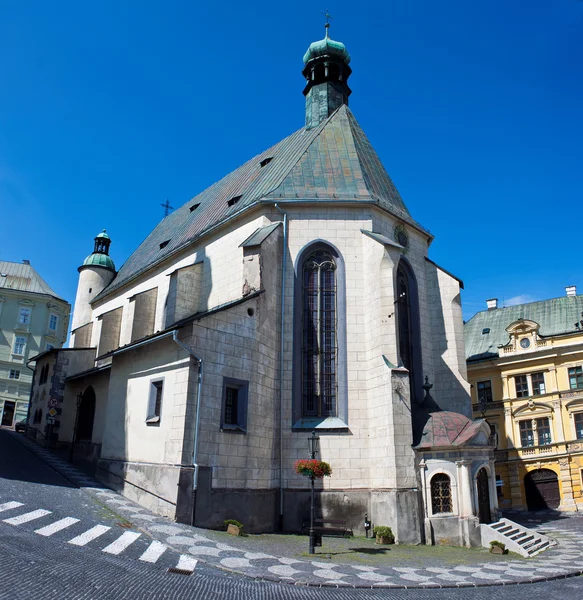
(384, 534)
(313, 468)
(234, 527)
(498, 548)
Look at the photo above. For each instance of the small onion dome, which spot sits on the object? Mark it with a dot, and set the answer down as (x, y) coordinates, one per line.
(326, 47)
(103, 235)
(98, 259)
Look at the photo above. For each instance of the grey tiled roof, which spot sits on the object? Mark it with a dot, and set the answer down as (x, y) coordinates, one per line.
(331, 162)
(21, 276)
(556, 316)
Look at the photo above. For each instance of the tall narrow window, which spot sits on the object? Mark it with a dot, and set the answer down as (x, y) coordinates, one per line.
(319, 344)
(521, 383)
(526, 434)
(441, 494)
(538, 383)
(578, 417)
(53, 321)
(543, 429)
(484, 391)
(19, 345)
(576, 378)
(24, 316)
(155, 402)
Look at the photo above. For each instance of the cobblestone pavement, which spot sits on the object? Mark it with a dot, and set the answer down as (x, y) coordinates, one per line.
(276, 558)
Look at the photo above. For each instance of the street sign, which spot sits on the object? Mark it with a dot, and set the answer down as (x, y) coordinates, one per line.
(50, 420)
(53, 403)
(52, 412)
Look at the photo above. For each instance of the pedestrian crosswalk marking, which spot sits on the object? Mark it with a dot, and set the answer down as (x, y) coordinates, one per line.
(57, 526)
(9, 505)
(89, 535)
(187, 563)
(154, 552)
(26, 517)
(122, 542)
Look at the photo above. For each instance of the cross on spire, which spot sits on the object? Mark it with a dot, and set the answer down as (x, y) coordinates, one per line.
(328, 17)
(167, 208)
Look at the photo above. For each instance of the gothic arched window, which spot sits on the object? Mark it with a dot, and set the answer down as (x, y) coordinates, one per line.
(441, 494)
(319, 335)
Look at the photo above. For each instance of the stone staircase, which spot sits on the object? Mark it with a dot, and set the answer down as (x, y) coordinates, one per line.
(516, 538)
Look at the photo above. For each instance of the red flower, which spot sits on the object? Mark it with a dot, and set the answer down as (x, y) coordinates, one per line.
(313, 468)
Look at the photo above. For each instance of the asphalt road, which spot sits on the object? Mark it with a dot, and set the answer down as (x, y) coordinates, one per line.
(37, 566)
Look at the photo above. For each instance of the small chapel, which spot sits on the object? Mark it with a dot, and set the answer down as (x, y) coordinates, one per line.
(294, 295)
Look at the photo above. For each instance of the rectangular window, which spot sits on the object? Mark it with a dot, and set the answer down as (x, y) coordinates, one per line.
(155, 402)
(14, 374)
(499, 486)
(484, 391)
(49, 347)
(493, 435)
(24, 316)
(521, 383)
(543, 430)
(53, 322)
(538, 383)
(19, 345)
(576, 378)
(578, 418)
(234, 410)
(526, 434)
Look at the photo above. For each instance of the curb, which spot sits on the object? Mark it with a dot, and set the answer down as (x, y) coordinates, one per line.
(31, 446)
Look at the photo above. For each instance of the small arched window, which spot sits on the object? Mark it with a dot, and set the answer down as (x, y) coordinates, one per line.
(441, 494)
(319, 339)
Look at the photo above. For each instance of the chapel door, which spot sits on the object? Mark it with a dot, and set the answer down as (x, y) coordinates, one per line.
(483, 483)
(542, 490)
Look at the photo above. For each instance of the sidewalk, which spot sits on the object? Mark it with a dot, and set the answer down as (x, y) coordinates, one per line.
(349, 562)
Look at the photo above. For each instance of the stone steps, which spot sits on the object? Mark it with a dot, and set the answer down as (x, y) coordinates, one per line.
(516, 538)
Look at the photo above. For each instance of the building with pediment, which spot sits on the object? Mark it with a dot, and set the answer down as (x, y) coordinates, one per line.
(525, 365)
(33, 318)
(295, 294)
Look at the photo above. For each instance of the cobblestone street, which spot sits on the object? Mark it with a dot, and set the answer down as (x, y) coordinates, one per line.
(52, 514)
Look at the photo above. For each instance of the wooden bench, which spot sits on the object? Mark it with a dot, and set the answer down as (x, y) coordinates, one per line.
(332, 527)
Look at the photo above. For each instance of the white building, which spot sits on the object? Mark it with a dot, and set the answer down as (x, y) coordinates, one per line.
(201, 380)
(33, 318)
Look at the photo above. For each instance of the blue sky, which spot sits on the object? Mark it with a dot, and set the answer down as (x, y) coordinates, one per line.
(109, 108)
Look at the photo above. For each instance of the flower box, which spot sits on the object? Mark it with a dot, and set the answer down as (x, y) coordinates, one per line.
(313, 468)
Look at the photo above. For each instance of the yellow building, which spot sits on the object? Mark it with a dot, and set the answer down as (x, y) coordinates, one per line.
(525, 366)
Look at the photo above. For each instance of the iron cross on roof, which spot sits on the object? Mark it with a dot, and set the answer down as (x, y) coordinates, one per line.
(167, 208)
(328, 17)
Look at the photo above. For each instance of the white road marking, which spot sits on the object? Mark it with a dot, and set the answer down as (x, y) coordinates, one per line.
(154, 552)
(89, 535)
(122, 542)
(26, 517)
(187, 563)
(9, 505)
(57, 526)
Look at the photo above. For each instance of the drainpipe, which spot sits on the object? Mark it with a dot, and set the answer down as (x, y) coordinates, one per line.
(281, 365)
(199, 388)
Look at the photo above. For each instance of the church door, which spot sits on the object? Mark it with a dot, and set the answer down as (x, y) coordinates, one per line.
(86, 416)
(483, 483)
(542, 490)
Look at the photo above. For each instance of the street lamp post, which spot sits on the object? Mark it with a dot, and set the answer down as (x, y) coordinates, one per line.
(313, 445)
(72, 448)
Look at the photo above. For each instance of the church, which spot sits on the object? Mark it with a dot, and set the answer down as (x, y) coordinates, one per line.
(294, 295)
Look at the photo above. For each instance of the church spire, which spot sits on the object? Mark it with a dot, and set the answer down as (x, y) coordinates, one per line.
(326, 71)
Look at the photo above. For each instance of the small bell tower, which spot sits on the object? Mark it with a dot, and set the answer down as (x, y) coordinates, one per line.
(326, 71)
(95, 274)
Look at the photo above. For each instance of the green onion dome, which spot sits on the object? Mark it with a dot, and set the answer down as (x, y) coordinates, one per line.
(326, 47)
(98, 259)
